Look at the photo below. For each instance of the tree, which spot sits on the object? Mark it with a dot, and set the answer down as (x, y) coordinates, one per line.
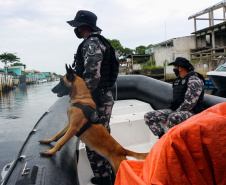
(18, 64)
(117, 45)
(8, 57)
(149, 46)
(122, 52)
(140, 50)
(127, 51)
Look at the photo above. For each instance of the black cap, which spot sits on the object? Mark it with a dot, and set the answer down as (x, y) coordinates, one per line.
(183, 62)
(84, 17)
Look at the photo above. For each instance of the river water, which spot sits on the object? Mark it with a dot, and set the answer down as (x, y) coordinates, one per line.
(20, 109)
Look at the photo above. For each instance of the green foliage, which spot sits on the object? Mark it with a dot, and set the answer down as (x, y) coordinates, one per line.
(9, 57)
(25, 73)
(127, 51)
(116, 44)
(18, 64)
(150, 65)
(122, 52)
(167, 63)
(140, 50)
(149, 46)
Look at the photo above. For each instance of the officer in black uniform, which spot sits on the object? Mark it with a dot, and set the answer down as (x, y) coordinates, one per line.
(97, 63)
(188, 92)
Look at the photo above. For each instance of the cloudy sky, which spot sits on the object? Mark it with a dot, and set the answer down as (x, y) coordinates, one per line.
(36, 30)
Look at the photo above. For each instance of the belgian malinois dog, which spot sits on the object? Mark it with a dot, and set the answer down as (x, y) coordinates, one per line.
(96, 136)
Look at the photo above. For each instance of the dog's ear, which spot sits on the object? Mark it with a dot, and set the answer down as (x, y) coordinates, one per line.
(70, 77)
(70, 74)
(67, 69)
(70, 69)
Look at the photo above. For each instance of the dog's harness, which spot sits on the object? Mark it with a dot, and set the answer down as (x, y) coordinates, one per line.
(90, 113)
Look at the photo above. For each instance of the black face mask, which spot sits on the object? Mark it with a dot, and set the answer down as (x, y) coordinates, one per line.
(77, 33)
(176, 71)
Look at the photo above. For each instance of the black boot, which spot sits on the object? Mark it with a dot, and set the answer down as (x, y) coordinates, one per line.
(105, 181)
(95, 180)
(161, 134)
(113, 176)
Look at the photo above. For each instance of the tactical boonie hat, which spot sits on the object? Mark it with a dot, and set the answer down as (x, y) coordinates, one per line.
(183, 62)
(84, 17)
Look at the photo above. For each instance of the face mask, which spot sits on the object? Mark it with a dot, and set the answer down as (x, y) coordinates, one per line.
(176, 71)
(77, 33)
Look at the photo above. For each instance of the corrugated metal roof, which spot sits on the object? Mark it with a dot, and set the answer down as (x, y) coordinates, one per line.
(164, 42)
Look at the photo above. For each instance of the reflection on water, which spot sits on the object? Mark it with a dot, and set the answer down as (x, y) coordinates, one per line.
(20, 109)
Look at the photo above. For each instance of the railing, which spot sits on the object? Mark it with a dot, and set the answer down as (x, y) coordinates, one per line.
(209, 54)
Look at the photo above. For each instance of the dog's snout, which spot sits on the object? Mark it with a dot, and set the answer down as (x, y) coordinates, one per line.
(53, 90)
(57, 88)
(60, 89)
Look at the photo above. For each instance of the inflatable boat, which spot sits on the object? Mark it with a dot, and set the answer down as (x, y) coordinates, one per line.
(134, 96)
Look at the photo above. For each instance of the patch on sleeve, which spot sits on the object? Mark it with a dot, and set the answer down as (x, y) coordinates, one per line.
(92, 49)
(193, 87)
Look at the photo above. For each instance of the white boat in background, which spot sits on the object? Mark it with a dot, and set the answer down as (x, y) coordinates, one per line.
(218, 77)
(42, 80)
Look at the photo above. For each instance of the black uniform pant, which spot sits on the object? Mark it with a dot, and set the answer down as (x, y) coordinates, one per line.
(100, 166)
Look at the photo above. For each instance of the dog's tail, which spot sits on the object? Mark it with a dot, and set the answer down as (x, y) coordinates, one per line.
(141, 156)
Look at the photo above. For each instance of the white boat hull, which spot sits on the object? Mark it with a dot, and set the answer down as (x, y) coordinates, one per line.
(218, 79)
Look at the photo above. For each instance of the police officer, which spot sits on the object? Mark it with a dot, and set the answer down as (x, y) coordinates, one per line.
(93, 63)
(188, 92)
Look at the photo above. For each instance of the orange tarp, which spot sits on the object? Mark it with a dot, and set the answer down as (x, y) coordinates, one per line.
(193, 152)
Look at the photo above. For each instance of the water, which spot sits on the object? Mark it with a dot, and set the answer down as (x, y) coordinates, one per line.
(20, 109)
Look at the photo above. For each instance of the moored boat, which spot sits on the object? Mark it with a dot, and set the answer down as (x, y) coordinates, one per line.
(42, 80)
(218, 77)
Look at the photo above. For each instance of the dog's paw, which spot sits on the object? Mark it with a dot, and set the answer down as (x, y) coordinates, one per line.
(46, 153)
(44, 141)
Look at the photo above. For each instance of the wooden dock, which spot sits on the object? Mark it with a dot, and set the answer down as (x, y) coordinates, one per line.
(6, 83)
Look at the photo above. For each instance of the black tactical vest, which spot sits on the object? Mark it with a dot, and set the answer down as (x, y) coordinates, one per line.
(109, 66)
(180, 88)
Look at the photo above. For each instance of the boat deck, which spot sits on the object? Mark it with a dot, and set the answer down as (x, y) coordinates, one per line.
(128, 128)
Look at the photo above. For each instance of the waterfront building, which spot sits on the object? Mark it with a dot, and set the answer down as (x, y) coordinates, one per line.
(205, 48)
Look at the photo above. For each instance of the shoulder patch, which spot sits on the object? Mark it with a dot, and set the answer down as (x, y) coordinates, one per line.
(92, 49)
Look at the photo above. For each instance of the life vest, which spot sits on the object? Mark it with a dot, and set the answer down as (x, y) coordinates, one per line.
(179, 89)
(109, 66)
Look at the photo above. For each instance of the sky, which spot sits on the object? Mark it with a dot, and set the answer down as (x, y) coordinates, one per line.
(37, 32)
